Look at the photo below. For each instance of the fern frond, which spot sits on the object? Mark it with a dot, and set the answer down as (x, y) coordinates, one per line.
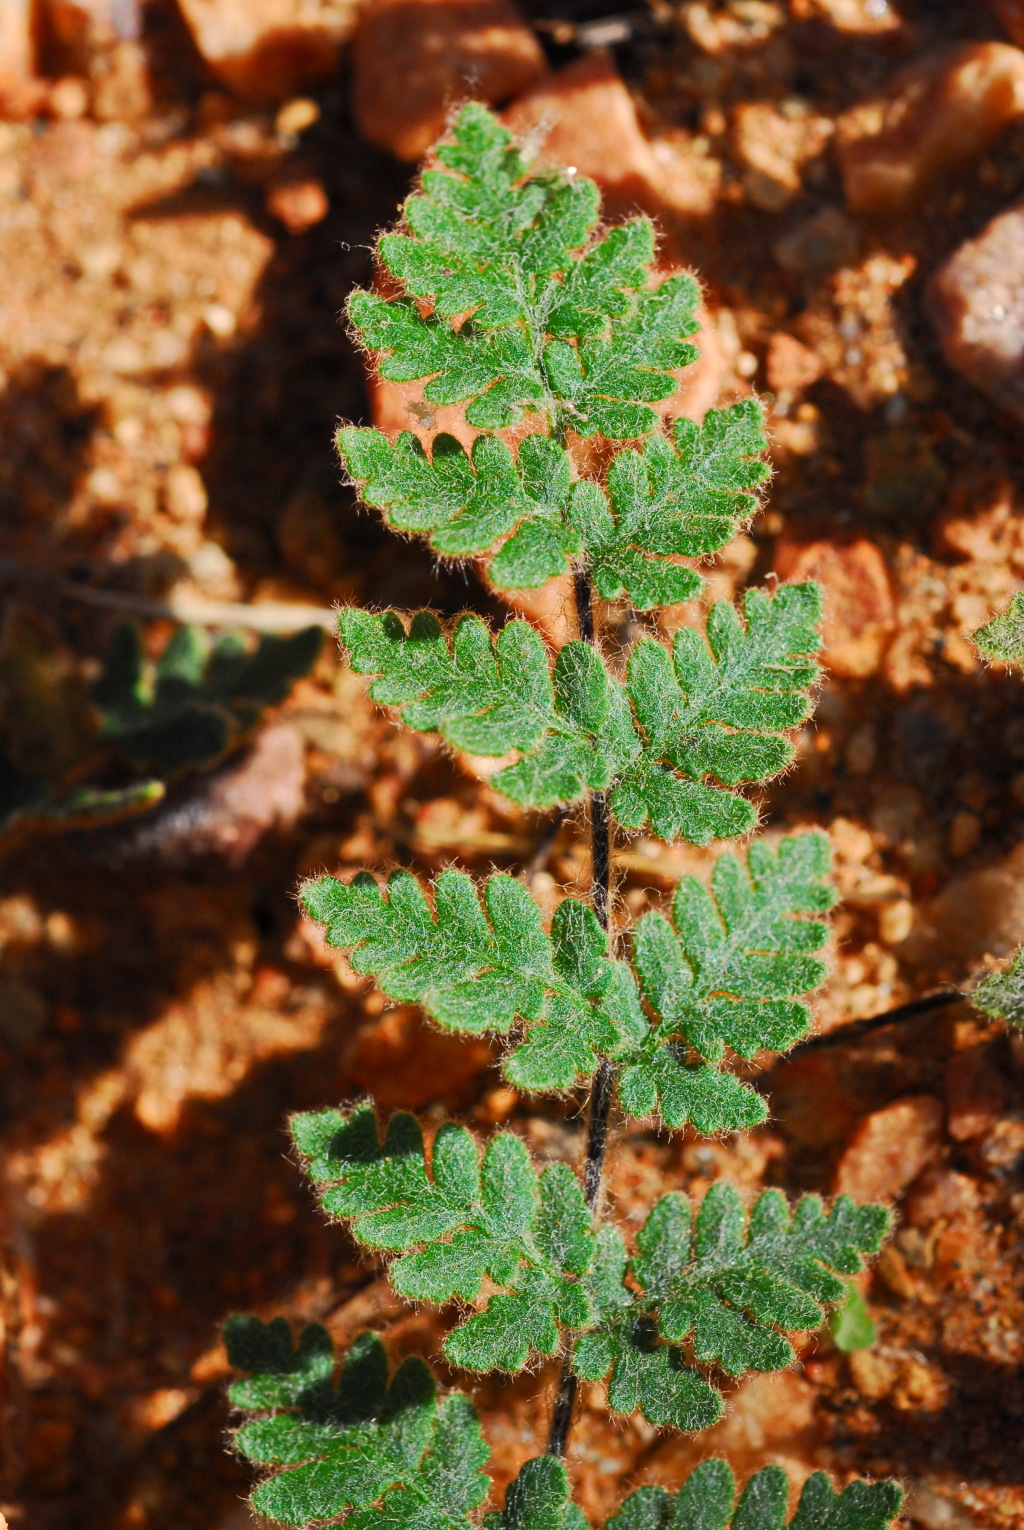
(198, 698)
(729, 1285)
(708, 1500)
(466, 1219)
(1000, 995)
(377, 1452)
(483, 961)
(528, 309)
(682, 497)
(1003, 637)
(728, 971)
(713, 712)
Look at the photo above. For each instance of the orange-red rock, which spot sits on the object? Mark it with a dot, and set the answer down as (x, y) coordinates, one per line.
(264, 50)
(775, 148)
(20, 91)
(977, 303)
(941, 1195)
(859, 609)
(940, 114)
(584, 116)
(791, 366)
(975, 1093)
(299, 205)
(890, 1148)
(414, 60)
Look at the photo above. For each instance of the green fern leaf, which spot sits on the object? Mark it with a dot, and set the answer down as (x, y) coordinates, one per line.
(573, 728)
(198, 699)
(465, 1220)
(482, 963)
(718, 708)
(727, 972)
(644, 1374)
(688, 499)
(733, 1285)
(528, 310)
(387, 1454)
(1003, 637)
(707, 1501)
(1000, 995)
(539, 1499)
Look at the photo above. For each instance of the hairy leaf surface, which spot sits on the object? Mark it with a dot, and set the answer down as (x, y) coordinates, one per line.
(539, 1499)
(708, 1501)
(385, 1453)
(717, 708)
(463, 1220)
(686, 499)
(483, 961)
(728, 971)
(1000, 995)
(1003, 637)
(528, 308)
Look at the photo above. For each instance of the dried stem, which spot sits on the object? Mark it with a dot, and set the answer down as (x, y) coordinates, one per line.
(601, 1087)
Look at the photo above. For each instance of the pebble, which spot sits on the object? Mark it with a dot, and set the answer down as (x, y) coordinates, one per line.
(791, 366)
(413, 60)
(584, 116)
(850, 15)
(941, 114)
(824, 242)
(978, 913)
(860, 613)
(943, 1194)
(299, 205)
(20, 91)
(977, 305)
(185, 498)
(890, 1148)
(264, 50)
(775, 147)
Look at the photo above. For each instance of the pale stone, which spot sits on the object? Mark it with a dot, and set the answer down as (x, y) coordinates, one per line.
(860, 16)
(791, 366)
(977, 303)
(20, 91)
(890, 1148)
(415, 60)
(264, 49)
(860, 613)
(185, 496)
(775, 147)
(941, 114)
(299, 205)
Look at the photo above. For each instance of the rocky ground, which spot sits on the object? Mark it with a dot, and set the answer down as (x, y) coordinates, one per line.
(187, 194)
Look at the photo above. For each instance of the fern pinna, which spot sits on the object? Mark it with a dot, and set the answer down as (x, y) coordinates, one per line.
(549, 330)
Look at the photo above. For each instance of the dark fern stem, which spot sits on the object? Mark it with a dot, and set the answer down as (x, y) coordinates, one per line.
(602, 1085)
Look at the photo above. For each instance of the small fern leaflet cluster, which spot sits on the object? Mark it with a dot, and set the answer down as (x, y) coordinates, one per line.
(548, 330)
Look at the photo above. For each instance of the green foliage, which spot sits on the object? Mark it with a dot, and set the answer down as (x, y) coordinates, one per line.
(1000, 995)
(707, 1501)
(528, 309)
(729, 1285)
(716, 708)
(664, 499)
(389, 1454)
(539, 1499)
(727, 972)
(1003, 637)
(465, 1220)
(852, 1325)
(198, 699)
(483, 963)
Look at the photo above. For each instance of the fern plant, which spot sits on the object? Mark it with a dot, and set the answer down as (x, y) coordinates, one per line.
(515, 304)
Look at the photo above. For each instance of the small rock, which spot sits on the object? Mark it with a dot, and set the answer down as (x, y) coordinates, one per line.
(185, 497)
(977, 304)
(20, 91)
(978, 914)
(296, 116)
(942, 1195)
(933, 1511)
(413, 60)
(975, 1093)
(121, 89)
(791, 366)
(872, 1375)
(850, 15)
(890, 1148)
(825, 242)
(68, 99)
(263, 50)
(940, 114)
(775, 148)
(299, 205)
(585, 117)
(859, 609)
